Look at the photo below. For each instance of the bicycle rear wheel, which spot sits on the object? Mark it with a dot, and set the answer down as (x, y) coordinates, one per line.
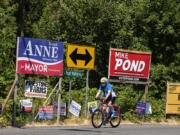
(97, 118)
(115, 121)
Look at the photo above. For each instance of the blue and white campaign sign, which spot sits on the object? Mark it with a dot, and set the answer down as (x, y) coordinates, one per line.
(45, 112)
(148, 108)
(35, 56)
(141, 108)
(75, 108)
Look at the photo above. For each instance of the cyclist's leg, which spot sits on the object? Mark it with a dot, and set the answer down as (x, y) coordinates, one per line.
(104, 107)
(110, 105)
(104, 112)
(111, 101)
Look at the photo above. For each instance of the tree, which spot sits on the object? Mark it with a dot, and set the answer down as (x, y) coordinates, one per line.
(8, 31)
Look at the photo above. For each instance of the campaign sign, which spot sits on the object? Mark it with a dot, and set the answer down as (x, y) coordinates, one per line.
(35, 56)
(148, 108)
(35, 89)
(173, 98)
(92, 106)
(63, 109)
(46, 112)
(141, 108)
(75, 108)
(25, 105)
(129, 65)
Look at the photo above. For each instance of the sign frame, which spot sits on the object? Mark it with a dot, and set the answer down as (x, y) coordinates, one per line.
(78, 67)
(167, 97)
(128, 81)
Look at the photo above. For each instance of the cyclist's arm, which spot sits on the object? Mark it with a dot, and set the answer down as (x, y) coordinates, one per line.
(109, 93)
(99, 92)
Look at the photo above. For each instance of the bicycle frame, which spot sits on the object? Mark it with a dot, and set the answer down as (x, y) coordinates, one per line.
(107, 115)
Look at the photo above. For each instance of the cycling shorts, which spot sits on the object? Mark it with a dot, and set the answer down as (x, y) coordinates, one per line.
(112, 99)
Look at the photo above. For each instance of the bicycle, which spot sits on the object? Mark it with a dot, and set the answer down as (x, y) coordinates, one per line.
(100, 114)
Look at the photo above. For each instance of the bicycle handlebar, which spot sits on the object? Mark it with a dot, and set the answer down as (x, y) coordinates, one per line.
(100, 99)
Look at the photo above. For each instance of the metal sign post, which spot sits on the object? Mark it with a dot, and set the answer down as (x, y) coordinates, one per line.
(59, 100)
(87, 87)
(33, 109)
(69, 99)
(71, 74)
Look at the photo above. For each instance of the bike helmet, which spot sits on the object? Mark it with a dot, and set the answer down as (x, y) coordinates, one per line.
(104, 80)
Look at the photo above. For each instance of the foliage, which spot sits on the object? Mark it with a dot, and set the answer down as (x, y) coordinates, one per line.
(8, 45)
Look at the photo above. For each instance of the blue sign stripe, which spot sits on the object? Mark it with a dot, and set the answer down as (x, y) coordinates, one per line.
(41, 50)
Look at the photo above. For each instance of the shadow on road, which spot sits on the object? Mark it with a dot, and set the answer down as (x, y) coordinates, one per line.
(81, 130)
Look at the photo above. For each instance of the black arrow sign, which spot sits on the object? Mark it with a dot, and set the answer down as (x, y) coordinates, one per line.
(74, 56)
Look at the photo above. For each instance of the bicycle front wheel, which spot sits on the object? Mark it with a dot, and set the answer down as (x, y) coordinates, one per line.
(97, 118)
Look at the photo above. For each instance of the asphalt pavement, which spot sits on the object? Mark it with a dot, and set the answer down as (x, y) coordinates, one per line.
(89, 130)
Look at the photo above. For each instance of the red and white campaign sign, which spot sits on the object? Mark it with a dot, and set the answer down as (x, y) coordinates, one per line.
(129, 65)
(35, 56)
(63, 109)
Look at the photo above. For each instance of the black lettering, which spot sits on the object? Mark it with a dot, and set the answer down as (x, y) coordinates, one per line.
(37, 87)
(38, 90)
(31, 88)
(44, 90)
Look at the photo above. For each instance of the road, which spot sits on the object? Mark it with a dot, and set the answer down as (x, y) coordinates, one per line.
(88, 130)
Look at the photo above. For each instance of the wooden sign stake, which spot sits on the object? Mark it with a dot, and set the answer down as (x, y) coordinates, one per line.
(15, 102)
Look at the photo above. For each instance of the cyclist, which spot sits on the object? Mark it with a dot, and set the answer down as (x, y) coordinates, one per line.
(109, 95)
